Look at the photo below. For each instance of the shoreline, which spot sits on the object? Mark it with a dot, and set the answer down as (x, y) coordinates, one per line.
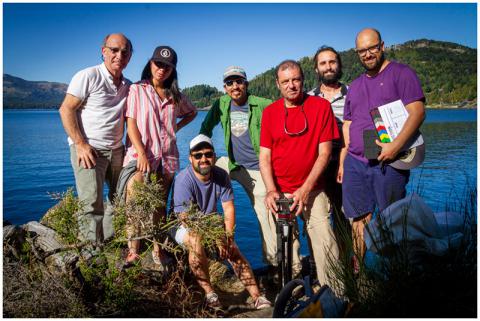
(435, 106)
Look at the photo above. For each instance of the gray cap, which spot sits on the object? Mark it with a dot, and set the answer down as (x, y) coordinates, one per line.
(234, 71)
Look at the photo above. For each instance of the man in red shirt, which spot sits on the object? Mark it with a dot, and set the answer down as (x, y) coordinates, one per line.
(295, 146)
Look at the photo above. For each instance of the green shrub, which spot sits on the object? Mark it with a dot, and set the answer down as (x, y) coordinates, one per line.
(64, 217)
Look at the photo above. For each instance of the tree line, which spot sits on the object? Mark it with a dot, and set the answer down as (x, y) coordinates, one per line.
(447, 71)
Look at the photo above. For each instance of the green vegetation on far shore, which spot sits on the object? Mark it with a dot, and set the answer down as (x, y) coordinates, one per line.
(447, 71)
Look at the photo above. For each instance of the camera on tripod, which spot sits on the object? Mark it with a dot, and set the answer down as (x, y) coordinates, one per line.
(283, 209)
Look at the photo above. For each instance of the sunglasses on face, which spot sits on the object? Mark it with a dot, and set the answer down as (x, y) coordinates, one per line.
(199, 156)
(161, 65)
(239, 82)
(115, 50)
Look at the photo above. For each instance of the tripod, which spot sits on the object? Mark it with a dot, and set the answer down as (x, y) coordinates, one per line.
(285, 225)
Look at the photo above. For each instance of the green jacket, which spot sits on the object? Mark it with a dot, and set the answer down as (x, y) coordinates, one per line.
(220, 112)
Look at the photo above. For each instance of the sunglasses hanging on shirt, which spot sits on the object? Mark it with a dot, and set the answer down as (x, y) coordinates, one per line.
(305, 127)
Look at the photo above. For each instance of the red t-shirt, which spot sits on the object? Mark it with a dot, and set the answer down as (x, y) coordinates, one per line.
(293, 156)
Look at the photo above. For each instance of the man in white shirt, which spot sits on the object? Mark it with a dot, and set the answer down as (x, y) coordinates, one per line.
(92, 114)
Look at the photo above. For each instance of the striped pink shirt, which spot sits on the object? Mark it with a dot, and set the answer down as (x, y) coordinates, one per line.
(157, 123)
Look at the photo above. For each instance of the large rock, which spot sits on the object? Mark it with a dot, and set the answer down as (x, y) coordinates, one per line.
(13, 239)
(63, 262)
(46, 239)
(222, 279)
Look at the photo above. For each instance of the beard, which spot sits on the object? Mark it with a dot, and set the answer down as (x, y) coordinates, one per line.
(330, 79)
(203, 170)
(376, 67)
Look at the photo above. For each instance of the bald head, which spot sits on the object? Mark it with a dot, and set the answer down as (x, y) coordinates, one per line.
(370, 50)
(117, 37)
(116, 52)
(368, 35)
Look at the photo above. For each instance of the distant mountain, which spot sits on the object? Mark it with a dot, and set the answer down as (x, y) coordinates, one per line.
(20, 93)
(447, 71)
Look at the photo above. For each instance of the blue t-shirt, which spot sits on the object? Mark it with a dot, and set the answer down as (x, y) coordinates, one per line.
(188, 188)
(242, 148)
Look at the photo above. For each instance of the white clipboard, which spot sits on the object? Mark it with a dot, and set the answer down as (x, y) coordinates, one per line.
(394, 116)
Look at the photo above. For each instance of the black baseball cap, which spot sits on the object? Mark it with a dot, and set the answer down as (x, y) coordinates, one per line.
(166, 55)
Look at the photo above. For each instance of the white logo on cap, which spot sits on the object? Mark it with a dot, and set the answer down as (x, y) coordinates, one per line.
(165, 53)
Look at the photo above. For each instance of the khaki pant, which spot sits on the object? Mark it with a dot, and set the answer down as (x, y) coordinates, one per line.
(319, 229)
(252, 182)
(95, 221)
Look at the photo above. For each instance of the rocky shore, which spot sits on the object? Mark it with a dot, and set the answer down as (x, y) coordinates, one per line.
(34, 249)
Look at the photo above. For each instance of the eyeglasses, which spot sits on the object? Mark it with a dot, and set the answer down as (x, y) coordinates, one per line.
(239, 81)
(199, 156)
(286, 117)
(115, 50)
(162, 65)
(373, 49)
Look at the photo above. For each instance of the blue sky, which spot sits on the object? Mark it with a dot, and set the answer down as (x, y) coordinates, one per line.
(52, 41)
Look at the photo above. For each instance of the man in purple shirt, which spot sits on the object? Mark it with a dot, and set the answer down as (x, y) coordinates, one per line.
(367, 184)
(203, 184)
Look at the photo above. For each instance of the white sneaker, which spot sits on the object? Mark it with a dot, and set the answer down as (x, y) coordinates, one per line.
(262, 303)
(212, 301)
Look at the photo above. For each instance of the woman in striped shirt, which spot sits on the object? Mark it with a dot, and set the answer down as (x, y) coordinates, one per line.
(154, 104)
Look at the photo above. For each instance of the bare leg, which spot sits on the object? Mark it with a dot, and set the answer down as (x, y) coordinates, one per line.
(244, 272)
(133, 245)
(197, 258)
(358, 226)
(159, 217)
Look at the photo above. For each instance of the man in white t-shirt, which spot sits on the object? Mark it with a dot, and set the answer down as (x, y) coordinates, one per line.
(92, 114)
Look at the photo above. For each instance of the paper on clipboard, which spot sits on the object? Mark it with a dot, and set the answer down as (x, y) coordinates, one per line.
(394, 116)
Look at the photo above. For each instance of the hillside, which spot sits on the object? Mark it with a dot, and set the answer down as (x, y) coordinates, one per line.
(448, 73)
(20, 93)
(202, 95)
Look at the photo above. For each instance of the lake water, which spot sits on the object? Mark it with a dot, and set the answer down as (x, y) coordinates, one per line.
(36, 162)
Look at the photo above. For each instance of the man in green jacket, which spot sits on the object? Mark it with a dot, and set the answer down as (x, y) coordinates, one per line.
(241, 115)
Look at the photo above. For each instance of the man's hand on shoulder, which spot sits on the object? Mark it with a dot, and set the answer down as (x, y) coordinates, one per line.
(86, 154)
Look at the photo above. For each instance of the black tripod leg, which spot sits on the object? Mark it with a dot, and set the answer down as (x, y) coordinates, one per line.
(280, 253)
(289, 250)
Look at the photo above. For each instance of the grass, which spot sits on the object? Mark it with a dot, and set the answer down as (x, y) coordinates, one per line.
(402, 284)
